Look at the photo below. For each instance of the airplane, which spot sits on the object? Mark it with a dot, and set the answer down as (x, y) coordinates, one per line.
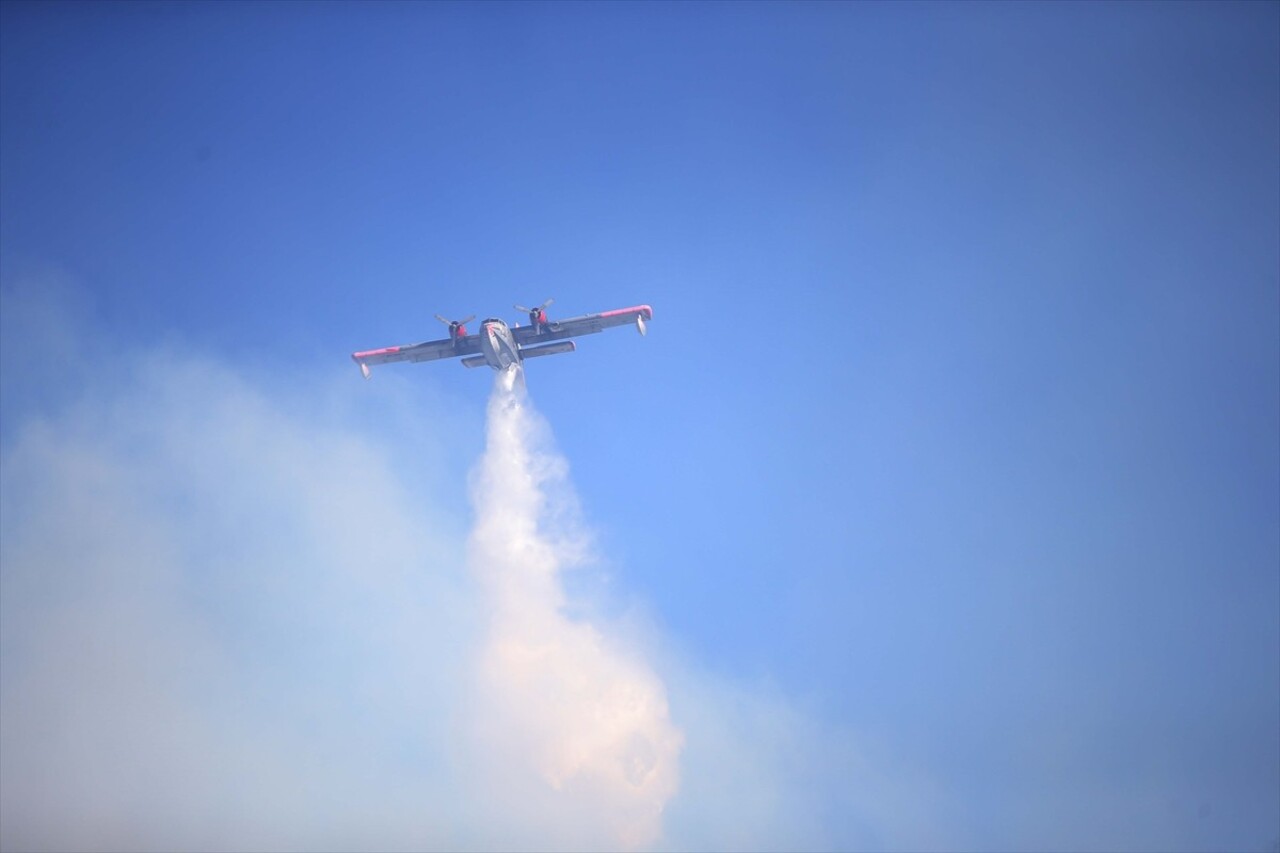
(499, 345)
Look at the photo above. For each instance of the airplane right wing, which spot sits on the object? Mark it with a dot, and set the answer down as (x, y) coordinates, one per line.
(587, 324)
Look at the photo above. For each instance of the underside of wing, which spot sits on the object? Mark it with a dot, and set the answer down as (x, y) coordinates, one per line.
(426, 351)
(548, 349)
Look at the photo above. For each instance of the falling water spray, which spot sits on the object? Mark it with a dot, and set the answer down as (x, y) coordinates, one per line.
(563, 705)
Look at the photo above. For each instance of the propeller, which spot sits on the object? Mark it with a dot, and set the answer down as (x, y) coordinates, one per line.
(540, 308)
(453, 323)
(457, 328)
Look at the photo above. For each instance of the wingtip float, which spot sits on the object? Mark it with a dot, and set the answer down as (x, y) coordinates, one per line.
(499, 346)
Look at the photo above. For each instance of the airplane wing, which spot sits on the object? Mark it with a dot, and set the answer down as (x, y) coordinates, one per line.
(587, 324)
(426, 351)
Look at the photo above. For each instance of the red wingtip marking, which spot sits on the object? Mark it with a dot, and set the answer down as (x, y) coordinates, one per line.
(356, 356)
(641, 309)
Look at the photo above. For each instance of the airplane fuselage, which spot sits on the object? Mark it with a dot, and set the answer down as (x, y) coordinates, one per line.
(498, 345)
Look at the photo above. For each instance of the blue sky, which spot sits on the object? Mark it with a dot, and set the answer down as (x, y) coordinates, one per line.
(954, 444)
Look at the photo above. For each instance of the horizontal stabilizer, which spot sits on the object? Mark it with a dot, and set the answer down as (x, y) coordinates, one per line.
(548, 349)
(474, 361)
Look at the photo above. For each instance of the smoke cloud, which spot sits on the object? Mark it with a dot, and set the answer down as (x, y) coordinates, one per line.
(224, 625)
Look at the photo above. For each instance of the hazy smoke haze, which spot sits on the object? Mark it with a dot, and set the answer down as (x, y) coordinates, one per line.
(280, 608)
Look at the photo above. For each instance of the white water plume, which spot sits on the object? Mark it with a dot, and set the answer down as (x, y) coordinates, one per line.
(578, 719)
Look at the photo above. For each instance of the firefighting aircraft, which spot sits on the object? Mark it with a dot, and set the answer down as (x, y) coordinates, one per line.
(499, 345)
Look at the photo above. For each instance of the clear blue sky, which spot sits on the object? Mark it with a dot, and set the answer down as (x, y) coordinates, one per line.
(957, 429)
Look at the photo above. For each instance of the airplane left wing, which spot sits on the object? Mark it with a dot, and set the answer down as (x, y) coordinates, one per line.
(587, 324)
(426, 351)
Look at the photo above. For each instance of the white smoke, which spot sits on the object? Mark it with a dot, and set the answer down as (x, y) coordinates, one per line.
(582, 721)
